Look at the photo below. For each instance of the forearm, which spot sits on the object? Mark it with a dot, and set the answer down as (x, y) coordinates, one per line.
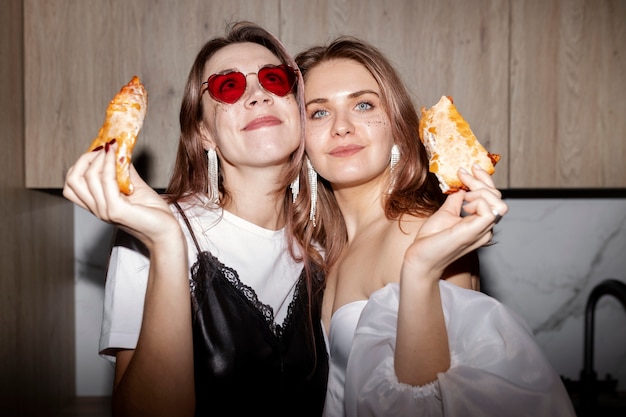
(422, 349)
(159, 377)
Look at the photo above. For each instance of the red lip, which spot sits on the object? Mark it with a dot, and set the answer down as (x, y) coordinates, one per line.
(262, 121)
(345, 150)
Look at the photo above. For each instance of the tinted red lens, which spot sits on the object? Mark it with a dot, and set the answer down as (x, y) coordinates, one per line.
(229, 87)
(277, 80)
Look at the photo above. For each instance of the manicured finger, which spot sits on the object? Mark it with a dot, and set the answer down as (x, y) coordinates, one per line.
(110, 188)
(79, 178)
(478, 179)
(94, 178)
(482, 175)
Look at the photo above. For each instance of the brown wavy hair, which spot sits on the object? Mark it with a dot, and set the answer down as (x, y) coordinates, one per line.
(190, 179)
(415, 191)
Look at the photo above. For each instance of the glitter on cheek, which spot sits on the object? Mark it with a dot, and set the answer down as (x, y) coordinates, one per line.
(382, 121)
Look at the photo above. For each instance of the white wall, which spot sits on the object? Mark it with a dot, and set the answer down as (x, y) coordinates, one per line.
(549, 255)
(92, 237)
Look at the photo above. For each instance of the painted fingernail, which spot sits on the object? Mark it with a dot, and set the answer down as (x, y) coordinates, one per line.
(96, 149)
(106, 147)
(112, 141)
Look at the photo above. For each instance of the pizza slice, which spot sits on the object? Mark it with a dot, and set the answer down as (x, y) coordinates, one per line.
(123, 121)
(451, 144)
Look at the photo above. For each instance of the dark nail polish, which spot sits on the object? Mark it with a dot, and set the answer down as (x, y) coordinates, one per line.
(106, 147)
(112, 141)
(97, 148)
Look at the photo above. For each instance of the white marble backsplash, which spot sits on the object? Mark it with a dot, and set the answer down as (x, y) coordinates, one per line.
(548, 256)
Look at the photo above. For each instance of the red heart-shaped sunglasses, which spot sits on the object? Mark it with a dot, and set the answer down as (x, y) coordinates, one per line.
(229, 86)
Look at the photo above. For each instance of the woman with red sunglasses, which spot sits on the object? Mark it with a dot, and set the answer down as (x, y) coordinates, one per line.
(405, 339)
(228, 231)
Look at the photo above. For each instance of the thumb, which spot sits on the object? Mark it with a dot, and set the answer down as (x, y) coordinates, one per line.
(454, 203)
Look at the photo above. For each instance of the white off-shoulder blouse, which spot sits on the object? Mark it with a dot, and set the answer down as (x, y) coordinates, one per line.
(497, 368)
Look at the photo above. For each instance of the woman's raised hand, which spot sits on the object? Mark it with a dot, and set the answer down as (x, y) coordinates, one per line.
(446, 235)
(91, 184)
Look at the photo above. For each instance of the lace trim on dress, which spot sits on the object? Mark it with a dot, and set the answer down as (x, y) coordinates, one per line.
(208, 267)
(202, 274)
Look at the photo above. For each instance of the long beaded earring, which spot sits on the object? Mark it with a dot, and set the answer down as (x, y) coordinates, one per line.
(213, 186)
(393, 160)
(295, 188)
(395, 156)
(313, 186)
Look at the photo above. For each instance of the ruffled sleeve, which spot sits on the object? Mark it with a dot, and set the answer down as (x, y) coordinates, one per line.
(497, 368)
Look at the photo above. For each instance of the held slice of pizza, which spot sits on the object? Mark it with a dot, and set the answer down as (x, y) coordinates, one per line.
(451, 144)
(123, 121)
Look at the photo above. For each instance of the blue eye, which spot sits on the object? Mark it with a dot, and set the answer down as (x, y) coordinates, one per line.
(364, 105)
(318, 114)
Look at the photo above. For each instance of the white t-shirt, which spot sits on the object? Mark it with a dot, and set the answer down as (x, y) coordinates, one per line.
(259, 256)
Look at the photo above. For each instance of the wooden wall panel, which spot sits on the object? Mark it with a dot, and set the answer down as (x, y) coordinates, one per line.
(36, 259)
(439, 47)
(81, 52)
(568, 79)
(539, 81)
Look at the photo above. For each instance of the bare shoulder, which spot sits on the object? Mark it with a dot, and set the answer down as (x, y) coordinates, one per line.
(407, 227)
(393, 244)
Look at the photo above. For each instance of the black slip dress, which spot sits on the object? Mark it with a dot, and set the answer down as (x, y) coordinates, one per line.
(245, 363)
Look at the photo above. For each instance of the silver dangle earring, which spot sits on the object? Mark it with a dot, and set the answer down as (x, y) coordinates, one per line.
(313, 185)
(295, 188)
(393, 160)
(213, 187)
(395, 157)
